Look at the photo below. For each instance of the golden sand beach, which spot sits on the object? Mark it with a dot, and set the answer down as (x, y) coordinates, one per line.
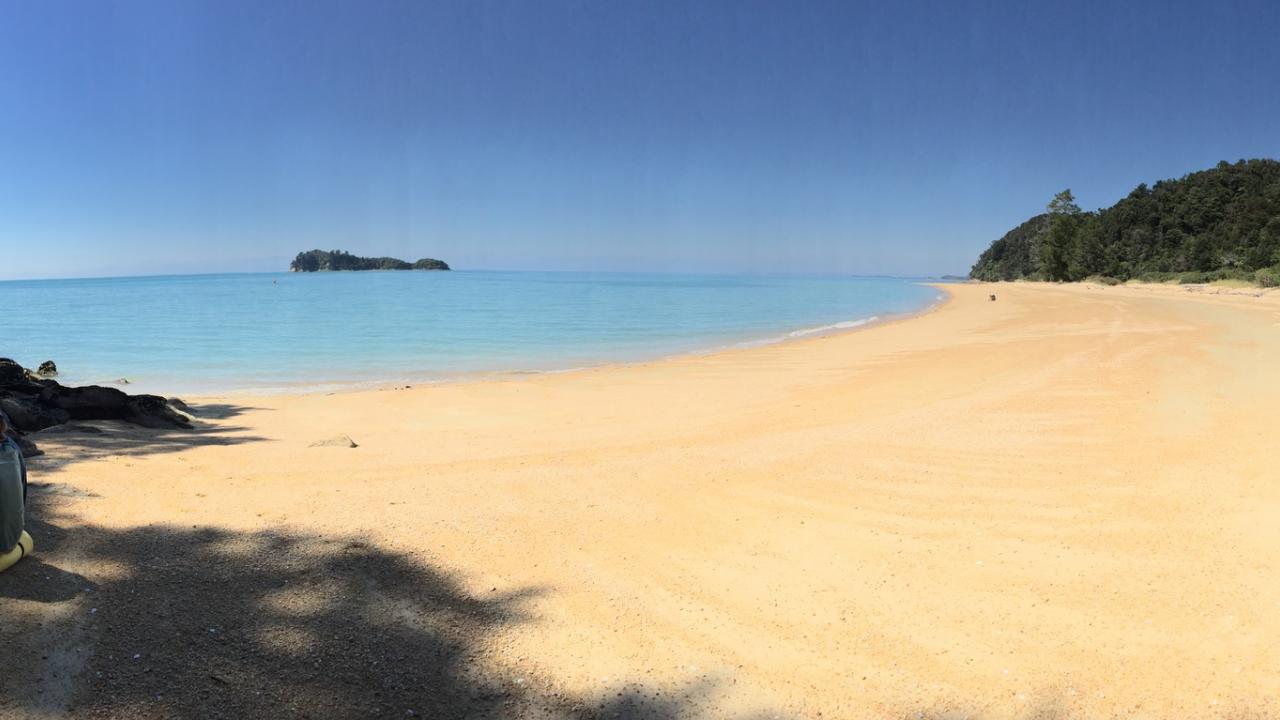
(1065, 503)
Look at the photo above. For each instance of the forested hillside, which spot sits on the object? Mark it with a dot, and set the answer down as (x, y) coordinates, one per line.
(1218, 223)
(326, 260)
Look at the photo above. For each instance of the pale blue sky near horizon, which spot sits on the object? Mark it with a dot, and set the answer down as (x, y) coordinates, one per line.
(148, 137)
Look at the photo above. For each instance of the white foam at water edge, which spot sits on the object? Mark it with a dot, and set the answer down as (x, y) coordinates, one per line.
(847, 324)
(803, 332)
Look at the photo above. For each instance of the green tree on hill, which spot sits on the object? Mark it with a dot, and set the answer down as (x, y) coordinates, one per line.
(1059, 246)
(1064, 203)
(1090, 252)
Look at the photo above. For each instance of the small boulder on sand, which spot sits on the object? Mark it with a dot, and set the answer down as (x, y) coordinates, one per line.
(336, 441)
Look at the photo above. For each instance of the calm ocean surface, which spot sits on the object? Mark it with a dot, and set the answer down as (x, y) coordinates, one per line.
(285, 332)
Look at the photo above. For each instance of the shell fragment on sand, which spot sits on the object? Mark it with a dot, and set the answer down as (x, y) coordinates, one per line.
(342, 441)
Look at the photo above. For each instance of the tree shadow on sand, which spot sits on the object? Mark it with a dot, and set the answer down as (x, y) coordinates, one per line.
(205, 623)
(218, 411)
(79, 441)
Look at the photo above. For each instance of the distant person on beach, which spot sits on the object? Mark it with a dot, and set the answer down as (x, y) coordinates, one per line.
(13, 492)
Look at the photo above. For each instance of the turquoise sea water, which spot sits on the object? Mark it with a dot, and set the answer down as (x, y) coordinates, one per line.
(283, 332)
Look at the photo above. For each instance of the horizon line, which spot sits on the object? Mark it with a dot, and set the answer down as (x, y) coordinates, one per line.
(815, 273)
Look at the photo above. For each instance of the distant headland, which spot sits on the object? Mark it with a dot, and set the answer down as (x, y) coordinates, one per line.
(327, 260)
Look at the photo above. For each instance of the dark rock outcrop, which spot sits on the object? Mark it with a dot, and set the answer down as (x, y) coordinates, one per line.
(29, 415)
(34, 403)
(47, 369)
(11, 374)
(92, 402)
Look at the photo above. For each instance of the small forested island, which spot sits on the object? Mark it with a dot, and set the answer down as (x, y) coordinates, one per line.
(327, 260)
(1217, 224)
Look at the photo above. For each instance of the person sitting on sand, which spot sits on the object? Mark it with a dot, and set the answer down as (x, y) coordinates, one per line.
(14, 541)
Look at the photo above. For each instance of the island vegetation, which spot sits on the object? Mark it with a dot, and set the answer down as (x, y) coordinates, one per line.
(332, 260)
(1216, 224)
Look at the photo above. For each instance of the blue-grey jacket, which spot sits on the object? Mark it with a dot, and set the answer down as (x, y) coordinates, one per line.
(13, 493)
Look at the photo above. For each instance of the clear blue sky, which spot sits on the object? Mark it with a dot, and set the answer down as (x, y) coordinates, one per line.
(880, 137)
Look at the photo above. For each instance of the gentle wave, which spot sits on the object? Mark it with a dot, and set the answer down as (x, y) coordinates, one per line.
(848, 324)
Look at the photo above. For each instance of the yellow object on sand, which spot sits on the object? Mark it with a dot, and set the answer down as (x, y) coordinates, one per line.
(24, 548)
